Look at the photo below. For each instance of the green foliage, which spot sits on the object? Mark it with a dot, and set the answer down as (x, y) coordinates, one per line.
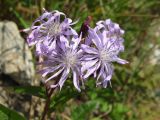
(30, 90)
(3, 116)
(82, 111)
(8, 114)
(22, 21)
(58, 101)
(119, 112)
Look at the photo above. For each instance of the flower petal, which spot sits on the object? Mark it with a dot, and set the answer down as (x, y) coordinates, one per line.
(63, 77)
(95, 39)
(50, 70)
(75, 42)
(64, 41)
(100, 73)
(91, 70)
(87, 65)
(54, 75)
(88, 49)
(121, 61)
(76, 80)
(106, 80)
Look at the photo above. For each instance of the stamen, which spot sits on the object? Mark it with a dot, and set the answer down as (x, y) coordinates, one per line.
(55, 29)
(70, 58)
(104, 56)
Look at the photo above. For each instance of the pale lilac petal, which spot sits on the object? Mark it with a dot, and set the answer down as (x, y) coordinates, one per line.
(80, 52)
(88, 49)
(87, 65)
(99, 26)
(108, 67)
(108, 22)
(99, 22)
(100, 73)
(89, 57)
(64, 41)
(31, 39)
(55, 75)
(74, 22)
(38, 48)
(76, 80)
(95, 74)
(105, 38)
(63, 77)
(122, 32)
(121, 61)
(75, 42)
(94, 37)
(59, 13)
(91, 70)
(110, 43)
(51, 69)
(69, 32)
(54, 86)
(88, 40)
(106, 80)
(67, 21)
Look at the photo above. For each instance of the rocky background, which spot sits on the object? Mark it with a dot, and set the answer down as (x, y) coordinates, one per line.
(16, 69)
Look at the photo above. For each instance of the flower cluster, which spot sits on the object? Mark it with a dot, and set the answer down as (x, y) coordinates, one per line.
(65, 54)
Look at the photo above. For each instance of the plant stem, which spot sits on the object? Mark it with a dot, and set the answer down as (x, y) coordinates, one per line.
(49, 92)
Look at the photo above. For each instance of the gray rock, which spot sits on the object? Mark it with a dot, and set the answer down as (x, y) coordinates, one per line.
(15, 56)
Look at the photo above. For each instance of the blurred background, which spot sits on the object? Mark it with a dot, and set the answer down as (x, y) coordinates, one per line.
(135, 92)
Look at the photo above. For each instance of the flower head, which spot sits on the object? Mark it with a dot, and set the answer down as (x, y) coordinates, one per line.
(48, 28)
(112, 29)
(100, 53)
(65, 58)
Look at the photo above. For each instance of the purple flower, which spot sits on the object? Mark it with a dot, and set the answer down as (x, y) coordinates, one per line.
(62, 55)
(112, 29)
(62, 60)
(48, 28)
(101, 51)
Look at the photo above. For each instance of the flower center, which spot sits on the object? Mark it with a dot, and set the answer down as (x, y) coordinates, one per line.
(70, 58)
(104, 56)
(55, 29)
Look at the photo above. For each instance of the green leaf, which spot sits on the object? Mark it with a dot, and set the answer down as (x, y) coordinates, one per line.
(22, 21)
(3, 116)
(61, 98)
(82, 111)
(8, 114)
(119, 111)
(30, 90)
